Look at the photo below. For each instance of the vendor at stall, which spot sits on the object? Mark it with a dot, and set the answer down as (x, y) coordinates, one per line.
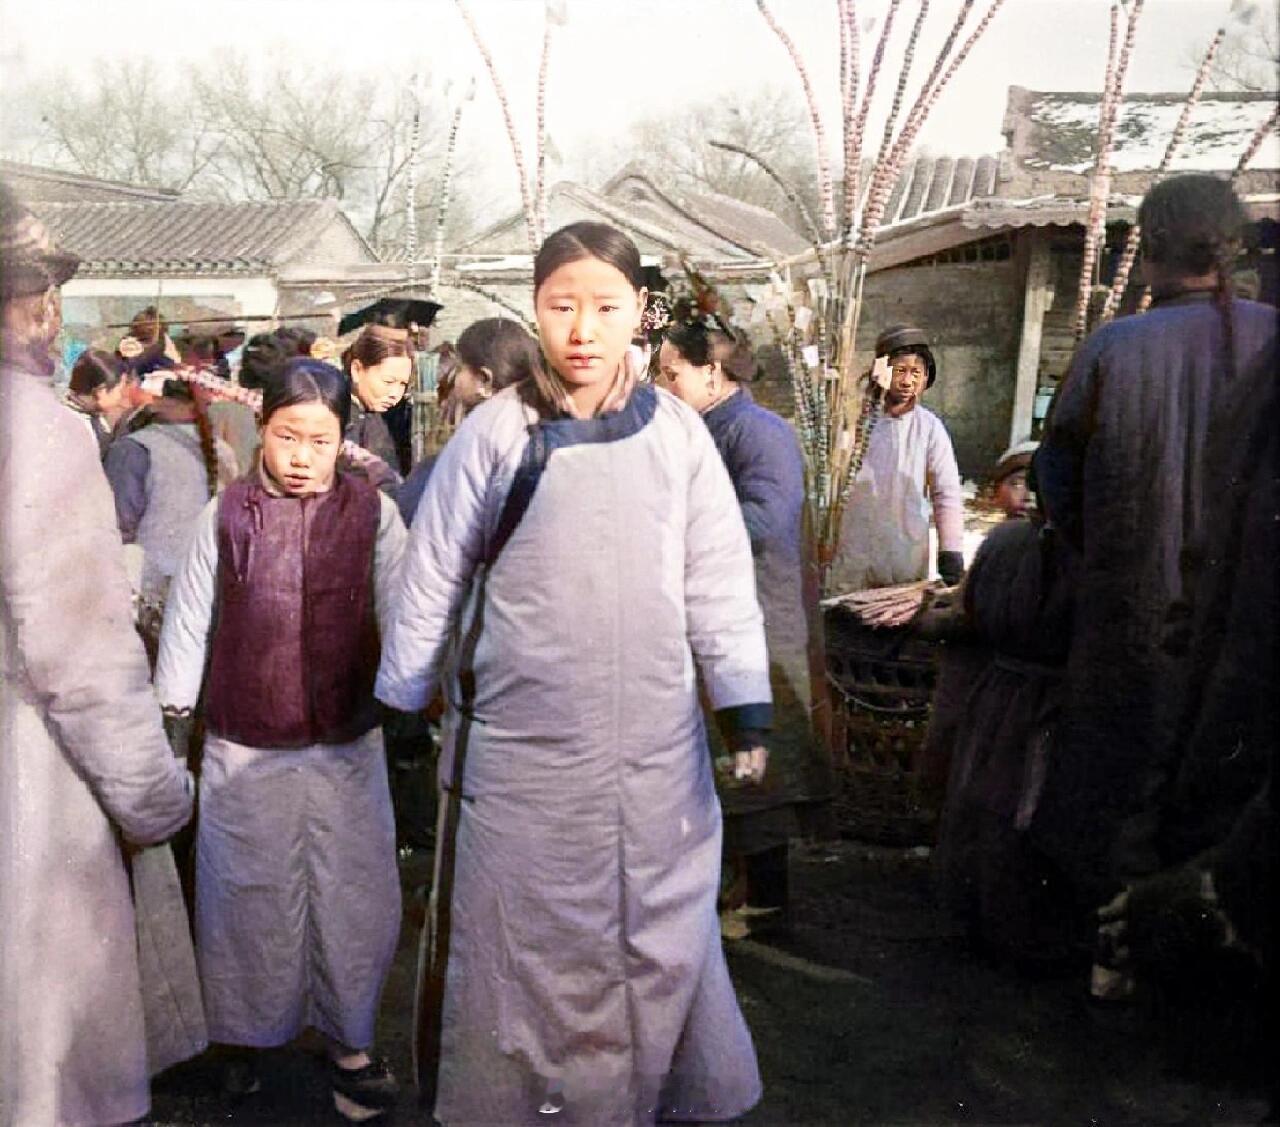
(909, 469)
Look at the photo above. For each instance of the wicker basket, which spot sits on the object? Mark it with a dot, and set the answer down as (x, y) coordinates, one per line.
(882, 682)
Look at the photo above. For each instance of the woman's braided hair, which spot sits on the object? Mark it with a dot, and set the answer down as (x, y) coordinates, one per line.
(1194, 225)
(183, 392)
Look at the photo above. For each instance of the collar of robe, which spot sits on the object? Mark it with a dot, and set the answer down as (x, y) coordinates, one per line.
(1167, 294)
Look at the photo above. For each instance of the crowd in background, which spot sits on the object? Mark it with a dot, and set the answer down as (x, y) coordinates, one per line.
(597, 607)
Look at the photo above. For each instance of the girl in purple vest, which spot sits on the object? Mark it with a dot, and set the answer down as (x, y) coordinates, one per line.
(275, 615)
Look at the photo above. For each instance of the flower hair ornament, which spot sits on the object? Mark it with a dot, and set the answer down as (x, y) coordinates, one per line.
(656, 315)
(695, 306)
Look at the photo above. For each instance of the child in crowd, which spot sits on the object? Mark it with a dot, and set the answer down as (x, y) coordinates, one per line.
(493, 354)
(297, 896)
(995, 729)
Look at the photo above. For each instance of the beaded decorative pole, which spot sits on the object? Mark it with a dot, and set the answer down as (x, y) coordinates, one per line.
(1100, 181)
(1121, 281)
(411, 177)
(814, 318)
(444, 189)
(533, 194)
(517, 151)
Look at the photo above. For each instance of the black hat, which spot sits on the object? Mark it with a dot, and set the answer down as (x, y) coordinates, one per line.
(30, 263)
(395, 312)
(904, 338)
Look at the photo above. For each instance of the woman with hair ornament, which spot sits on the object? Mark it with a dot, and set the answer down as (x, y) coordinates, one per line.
(578, 549)
(705, 363)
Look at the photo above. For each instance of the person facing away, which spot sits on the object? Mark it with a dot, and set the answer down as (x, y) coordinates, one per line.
(1218, 828)
(493, 353)
(297, 896)
(83, 758)
(379, 366)
(909, 469)
(577, 550)
(98, 391)
(162, 475)
(708, 368)
(1120, 472)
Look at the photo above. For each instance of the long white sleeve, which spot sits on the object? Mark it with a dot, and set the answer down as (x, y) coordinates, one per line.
(442, 552)
(188, 615)
(388, 556)
(943, 480)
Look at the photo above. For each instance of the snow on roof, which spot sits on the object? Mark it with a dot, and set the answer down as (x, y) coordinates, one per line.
(1065, 130)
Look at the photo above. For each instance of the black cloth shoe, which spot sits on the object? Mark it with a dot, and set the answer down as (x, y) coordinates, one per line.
(240, 1079)
(363, 1093)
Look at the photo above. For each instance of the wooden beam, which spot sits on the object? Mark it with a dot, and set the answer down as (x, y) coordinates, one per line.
(1037, 297)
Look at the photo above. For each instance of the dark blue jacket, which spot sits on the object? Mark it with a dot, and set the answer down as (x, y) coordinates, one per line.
(762, 454)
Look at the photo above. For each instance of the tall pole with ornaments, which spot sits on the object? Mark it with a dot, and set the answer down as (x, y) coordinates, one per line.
(812, 309)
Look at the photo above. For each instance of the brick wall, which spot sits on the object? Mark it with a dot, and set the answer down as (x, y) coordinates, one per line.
(972, 312)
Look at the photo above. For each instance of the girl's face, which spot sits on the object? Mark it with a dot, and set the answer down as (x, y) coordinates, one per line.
(1012, 494)
(699, 385)
(587, 314)
(300, 448)
(379, 387)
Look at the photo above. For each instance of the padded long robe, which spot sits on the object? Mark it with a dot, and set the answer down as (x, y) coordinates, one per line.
(762, 455)
(908, 473)
(584, 961)
(297, 897)
(83, 761)
(1120, 473)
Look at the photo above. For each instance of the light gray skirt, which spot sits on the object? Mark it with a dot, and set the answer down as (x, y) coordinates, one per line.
(297, 892)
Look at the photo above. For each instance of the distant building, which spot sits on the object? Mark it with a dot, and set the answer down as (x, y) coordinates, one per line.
(245, 262)
(711, 230)
(986, 254)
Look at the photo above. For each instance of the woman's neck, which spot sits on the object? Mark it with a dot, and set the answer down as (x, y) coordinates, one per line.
(730, 390)
(587, 398)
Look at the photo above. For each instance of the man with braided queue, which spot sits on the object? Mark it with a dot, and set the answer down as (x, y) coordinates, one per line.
(1120, 473)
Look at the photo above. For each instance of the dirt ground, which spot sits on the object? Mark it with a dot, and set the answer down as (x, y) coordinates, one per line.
(872, 1011)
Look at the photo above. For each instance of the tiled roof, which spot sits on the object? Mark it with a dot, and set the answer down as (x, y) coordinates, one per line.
(52, 185)
(1058, 132)
(748, 226)
(932, 184)
(703, 225)
(180, 236)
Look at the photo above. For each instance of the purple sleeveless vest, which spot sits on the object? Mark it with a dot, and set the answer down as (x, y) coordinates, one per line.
(295, 640)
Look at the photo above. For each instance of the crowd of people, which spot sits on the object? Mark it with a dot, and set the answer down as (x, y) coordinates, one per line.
(601, 595)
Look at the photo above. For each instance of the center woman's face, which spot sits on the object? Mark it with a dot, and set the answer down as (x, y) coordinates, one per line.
(587, 314)
(379, 387)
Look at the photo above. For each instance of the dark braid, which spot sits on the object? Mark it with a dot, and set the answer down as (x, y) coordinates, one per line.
(208, 444)
(1192, 226)
(187, 394)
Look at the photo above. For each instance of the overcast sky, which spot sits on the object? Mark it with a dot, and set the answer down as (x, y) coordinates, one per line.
(618, 60)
